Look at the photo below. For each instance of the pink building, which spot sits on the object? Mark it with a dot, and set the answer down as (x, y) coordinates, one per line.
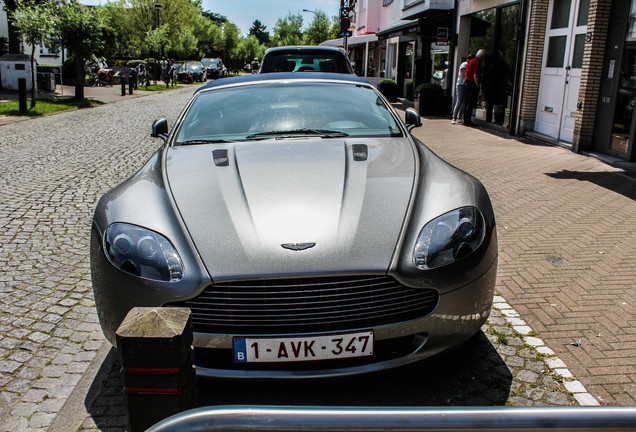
(399, 39)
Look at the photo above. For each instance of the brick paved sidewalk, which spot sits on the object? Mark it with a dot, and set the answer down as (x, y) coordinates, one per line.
(567, 248)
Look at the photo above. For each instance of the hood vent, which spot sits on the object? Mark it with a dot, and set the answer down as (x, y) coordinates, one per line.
(220, 157)
(360, 152)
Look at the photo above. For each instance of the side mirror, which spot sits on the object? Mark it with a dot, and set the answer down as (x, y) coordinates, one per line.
(412, 119)
(160, 128)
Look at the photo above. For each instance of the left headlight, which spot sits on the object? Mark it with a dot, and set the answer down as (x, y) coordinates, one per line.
(142, 252)
(449, 238)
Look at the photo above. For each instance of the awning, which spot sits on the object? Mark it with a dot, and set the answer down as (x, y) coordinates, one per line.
(353, 40)
(399, 29)
(418, 8)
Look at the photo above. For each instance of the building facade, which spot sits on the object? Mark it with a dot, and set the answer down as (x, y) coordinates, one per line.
(560, 70)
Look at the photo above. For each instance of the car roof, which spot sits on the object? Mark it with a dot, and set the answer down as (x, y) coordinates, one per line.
(304, 48)
(286, 76)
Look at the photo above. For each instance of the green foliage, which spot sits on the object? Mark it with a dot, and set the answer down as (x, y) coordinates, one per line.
(430, 88)
(34, 22)
(143, 17)
(217, 19)
(289, 30)
(210, 37)
(46, 106)
(389, 89)
(249, 49)
(156, 39)
(258, 30)
(4, 45)
(231, 39)
(81, 31)
(185, 46)
(319, 29)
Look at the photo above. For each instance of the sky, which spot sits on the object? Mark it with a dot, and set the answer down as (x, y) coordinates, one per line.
(244, 12)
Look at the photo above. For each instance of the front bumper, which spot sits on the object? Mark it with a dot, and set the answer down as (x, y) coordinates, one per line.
(459, 316)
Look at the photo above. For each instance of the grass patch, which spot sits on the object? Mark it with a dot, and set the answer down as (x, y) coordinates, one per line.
(157, 87)
(502, 339)
(45, 106)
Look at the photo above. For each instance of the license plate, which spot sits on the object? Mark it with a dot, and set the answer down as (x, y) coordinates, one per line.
(306, 348)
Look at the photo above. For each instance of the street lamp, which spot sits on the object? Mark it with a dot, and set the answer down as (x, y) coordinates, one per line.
(307, 10)
(157, 9)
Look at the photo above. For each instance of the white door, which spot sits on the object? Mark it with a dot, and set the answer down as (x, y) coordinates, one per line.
(561, 71)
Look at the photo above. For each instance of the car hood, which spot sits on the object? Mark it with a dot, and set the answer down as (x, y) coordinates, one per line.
(309, 194)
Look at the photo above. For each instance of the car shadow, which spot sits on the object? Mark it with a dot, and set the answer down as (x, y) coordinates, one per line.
(472, 375)
(618, 182)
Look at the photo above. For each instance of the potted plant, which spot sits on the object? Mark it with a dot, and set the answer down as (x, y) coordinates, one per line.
(389, 89)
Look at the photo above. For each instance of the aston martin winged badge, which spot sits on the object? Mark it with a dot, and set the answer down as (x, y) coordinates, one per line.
(298, 246)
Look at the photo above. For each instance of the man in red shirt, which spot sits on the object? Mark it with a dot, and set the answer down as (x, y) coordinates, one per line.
(473, 79)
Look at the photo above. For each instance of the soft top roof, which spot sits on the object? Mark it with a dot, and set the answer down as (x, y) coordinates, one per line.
(286, 76)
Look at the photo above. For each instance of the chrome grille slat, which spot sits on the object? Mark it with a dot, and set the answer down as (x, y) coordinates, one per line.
(309, 300)
(307, 304)
(315, 314)
(300, 318)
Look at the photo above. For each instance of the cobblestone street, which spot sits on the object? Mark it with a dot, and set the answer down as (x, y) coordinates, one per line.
(566, 274)
(54, 171)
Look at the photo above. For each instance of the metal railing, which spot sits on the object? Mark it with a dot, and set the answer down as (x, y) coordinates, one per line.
(328, 419)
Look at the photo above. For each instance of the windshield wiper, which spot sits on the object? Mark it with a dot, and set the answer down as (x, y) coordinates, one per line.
(203, 141)
(323, 133)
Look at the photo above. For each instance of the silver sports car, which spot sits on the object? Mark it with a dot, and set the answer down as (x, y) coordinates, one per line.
(310, 234)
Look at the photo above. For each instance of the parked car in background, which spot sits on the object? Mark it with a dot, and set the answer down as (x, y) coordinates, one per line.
(265, 213)
(306, 59)
(214, 68)
(196, 69)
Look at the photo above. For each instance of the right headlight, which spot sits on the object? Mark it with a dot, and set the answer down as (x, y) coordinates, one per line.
(449, 238)
(142, 252)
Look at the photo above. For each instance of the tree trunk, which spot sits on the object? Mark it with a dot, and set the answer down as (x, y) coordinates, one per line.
(79, 76)
(32, 76)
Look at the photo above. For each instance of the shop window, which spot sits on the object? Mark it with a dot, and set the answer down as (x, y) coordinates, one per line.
(556, 51)
(579, 48)
(584, 11)
(560, 14)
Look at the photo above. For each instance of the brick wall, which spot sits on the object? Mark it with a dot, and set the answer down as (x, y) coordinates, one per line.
(537, 19)
(591, 74)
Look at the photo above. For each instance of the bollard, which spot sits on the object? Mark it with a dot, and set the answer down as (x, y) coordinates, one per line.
(130, 85)
(22, 95)
(155, 345)
(123, 86)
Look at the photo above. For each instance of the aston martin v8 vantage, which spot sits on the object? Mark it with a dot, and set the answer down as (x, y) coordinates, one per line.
(310, 234)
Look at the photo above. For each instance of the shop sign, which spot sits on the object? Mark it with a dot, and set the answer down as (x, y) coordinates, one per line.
(442, 36)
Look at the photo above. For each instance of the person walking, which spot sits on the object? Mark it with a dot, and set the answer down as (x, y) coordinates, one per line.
(473, 80)
(460, 94)
(255, 66)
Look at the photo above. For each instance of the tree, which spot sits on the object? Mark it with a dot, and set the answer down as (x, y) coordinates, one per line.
(34, 23)
(210, 38)
(288, 30)
(173, 15)
(216, 18)
(248, 49)
(231, 39)
(81, 32)
(258, 30)
(185, 45)
(318, 31)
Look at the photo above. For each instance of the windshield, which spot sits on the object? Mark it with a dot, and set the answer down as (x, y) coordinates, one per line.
(305, 61)
(210, 62)
(286, 110)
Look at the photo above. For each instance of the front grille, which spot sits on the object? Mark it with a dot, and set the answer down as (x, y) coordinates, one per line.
(290, 306)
